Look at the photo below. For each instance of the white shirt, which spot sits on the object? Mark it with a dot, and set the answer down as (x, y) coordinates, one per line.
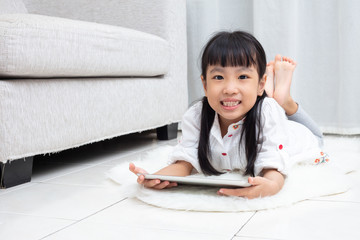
(281, 139)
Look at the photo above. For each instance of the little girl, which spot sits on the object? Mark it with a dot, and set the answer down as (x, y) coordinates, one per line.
(236, 126)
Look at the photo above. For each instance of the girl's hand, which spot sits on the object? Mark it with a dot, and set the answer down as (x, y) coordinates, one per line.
(268, 185)
(156, 183)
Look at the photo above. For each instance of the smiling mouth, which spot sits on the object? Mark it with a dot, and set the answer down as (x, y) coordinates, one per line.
(230, 104)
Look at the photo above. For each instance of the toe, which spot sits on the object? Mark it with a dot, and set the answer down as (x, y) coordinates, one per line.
(278, 57)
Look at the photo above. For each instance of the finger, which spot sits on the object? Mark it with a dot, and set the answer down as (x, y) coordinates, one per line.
(141, 179)
(151, 183)
(172, 184)
(136, 170)
(239, 192)
(162, 185)
(132, 167)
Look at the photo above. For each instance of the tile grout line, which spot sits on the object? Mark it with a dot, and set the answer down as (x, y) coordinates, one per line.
(86, 166)
(83, 218)
(18, 188)
(244, 225)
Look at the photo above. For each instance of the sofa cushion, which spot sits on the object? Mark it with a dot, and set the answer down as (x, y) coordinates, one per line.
(42, 46)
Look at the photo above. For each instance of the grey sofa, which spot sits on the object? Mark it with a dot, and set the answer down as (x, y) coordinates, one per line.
(77, 72)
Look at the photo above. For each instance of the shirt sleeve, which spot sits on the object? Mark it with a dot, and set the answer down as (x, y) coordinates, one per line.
(187, 148)
(273, 153)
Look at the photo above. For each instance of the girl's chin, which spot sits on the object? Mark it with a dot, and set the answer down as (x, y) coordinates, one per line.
(230, 119)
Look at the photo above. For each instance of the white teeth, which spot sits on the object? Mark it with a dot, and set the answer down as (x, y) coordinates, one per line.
(231, 104)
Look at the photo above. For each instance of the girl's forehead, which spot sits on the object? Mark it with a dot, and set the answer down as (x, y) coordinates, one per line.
(220, 68)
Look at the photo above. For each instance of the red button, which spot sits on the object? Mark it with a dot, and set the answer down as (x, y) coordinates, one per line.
(224, 154)
(230, 135)
(280, 146)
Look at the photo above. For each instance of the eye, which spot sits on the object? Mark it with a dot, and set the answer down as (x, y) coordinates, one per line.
(243, 77)
(218, 77)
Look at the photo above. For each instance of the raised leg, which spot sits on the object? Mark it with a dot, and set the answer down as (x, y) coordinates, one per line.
(16, 172)
(167, 132)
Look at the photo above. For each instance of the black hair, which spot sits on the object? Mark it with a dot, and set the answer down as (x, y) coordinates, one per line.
(232, 49)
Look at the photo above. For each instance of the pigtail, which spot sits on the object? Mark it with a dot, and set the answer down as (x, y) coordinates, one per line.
(204, 153)
(252, 130)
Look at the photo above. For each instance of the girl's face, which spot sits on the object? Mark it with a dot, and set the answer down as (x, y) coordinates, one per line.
(232, 91)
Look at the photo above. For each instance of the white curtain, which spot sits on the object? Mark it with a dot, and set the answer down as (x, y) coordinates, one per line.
(323, 36)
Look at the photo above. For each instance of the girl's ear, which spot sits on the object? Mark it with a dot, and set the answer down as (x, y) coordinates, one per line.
(261, 86)
(204, 83)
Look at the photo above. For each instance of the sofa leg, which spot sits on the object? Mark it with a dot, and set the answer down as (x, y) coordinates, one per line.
(16, 172)
(167, 132)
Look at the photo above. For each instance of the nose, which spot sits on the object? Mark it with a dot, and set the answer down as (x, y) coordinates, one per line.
(231, 88)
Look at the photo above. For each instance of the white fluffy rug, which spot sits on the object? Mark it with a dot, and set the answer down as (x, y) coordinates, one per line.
(303, 182)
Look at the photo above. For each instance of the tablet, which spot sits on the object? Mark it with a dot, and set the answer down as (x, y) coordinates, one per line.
(201, 181)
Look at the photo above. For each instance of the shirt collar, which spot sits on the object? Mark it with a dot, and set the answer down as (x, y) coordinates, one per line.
(216, 131)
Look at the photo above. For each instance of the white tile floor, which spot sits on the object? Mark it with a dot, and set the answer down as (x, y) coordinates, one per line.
(70, 198)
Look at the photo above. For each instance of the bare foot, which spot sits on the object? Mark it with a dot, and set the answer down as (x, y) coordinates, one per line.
(269, 85)
(284, 69)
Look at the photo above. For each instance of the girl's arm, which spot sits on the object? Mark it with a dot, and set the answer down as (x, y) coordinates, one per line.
(179, 168)
(269, 184)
